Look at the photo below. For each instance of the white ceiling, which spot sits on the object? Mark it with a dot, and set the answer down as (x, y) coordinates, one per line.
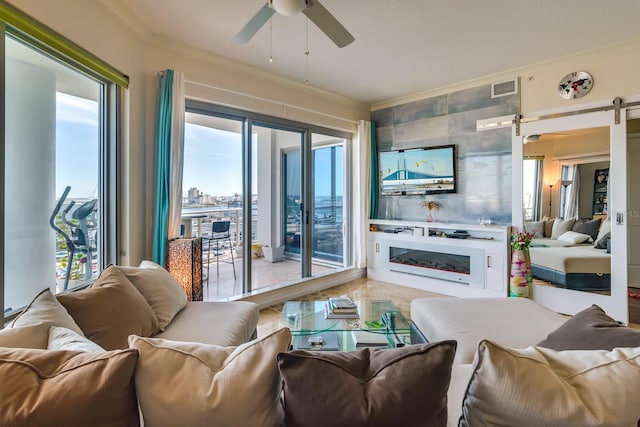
(402, 47)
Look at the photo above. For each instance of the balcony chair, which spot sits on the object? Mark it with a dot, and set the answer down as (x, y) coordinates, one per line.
(219, 233)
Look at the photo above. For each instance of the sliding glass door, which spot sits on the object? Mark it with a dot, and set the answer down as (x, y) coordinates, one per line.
(279, 184)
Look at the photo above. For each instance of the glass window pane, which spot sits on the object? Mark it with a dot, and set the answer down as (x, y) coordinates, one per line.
(212, 187)
(52, 138)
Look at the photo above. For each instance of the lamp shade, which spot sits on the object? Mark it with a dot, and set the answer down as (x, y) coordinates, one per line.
(184, 263)
(288, 7)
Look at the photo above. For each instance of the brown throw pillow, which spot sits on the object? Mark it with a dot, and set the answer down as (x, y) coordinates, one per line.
(111, 310)
(67, 388)
(384, 387)
(591, 329)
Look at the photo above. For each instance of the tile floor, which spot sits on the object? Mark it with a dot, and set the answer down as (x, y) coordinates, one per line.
(360, 289)
(357, 289)
(221, 284)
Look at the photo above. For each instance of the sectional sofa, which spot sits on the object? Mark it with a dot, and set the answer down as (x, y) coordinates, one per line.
(130, 350)
(520, 364)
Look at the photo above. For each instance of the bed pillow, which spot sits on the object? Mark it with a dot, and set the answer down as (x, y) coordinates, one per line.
(587, 226)
(548, 226)
(604, 229)
(603, 242)
(111, 310)
(539, 387)
(46, 309)
(574, 237)
(67, 388)
(591, 329)
(163, 293)
(192, 384)
(561, 226)
(535, 226)
(370, 387)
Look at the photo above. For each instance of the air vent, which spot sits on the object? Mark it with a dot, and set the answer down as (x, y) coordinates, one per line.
(509, 87)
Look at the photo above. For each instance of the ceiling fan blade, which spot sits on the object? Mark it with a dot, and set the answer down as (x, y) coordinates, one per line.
(328, 23)
(254, 24)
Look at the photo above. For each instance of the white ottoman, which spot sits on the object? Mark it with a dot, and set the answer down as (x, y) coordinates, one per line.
(511, 322)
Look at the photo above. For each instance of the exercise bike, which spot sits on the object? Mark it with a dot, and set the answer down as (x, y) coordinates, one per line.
(77, 237)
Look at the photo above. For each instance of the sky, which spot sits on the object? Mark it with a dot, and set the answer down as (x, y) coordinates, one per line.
(77, 146)
(212, 157)
(213, 163)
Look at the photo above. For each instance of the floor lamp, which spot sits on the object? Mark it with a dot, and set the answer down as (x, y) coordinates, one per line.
(550, 190)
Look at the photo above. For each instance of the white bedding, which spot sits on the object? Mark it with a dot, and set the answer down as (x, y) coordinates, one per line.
(572, 259)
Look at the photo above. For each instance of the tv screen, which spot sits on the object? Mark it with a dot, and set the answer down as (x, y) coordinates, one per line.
(428, 170)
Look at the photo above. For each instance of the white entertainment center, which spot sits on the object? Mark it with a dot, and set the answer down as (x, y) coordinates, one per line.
(461, 260)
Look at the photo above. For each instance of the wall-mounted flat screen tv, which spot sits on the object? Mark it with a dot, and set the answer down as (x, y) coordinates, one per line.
(429, 170)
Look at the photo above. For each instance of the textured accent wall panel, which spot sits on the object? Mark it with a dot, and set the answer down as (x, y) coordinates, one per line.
(483, 158)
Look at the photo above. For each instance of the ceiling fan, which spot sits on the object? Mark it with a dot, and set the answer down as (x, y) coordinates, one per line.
(311, 8)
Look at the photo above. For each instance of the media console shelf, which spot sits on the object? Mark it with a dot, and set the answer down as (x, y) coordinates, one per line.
(462, 260)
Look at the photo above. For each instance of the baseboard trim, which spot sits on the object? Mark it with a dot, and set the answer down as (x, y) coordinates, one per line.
(273, 296)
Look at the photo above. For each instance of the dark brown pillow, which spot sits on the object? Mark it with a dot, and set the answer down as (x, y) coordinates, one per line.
(383, 387)
(111, 310)
(602, 243)
(67, 388)
(587, 226)
(591, 329)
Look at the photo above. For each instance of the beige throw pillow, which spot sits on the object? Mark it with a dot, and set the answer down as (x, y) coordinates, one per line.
(67, 388)
(163, 293)
(30, 336)
(46, 309)
(538, 387)
(65, 339)
(111, 310)
(191, 384)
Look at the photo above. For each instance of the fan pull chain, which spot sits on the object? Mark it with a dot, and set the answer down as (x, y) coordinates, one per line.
(271, 40)
(306, 52)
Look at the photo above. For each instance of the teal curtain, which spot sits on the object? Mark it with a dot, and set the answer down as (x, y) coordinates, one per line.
(162, 166)
(373, 213)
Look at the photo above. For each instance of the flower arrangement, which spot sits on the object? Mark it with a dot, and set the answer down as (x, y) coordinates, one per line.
(431, 204)
(521, 240)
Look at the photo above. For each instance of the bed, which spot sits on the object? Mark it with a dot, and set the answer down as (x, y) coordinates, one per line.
(578, 267)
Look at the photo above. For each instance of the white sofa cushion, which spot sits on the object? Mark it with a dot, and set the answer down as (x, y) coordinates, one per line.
(218, 323)
(460, 375)
(539, 387)
(191, 384)
(512, 322)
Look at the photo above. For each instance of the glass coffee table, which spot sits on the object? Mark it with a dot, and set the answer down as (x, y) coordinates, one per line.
(380, 325)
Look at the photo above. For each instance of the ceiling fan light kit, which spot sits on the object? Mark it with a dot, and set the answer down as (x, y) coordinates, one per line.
(288, 7)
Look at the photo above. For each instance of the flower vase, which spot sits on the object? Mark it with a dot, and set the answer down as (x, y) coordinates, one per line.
(520, 276)
(429, 217)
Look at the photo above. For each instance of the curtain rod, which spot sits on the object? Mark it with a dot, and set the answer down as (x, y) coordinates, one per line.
(282, 104)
